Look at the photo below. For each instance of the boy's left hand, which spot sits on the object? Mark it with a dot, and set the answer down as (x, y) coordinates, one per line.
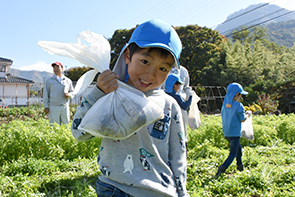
(67, 95)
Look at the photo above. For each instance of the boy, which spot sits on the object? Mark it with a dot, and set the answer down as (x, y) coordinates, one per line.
(233, 114)
(152, 162)
(172, 86)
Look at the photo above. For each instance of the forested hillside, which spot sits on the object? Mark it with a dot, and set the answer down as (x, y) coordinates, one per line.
(254, 14)
(282, 33)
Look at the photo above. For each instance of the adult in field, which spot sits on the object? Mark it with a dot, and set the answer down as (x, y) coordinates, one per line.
(57, 91)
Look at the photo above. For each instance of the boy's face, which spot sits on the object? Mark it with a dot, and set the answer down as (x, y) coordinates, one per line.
(237, 97)
(147, 71)
(176, 87)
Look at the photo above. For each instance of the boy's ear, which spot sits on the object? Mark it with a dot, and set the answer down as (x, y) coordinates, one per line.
(127, 55)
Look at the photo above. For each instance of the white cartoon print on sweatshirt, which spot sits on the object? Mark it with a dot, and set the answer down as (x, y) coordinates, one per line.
(128, 164)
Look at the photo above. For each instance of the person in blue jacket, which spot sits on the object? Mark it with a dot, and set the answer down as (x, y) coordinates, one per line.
(172, 85)
(233, 114)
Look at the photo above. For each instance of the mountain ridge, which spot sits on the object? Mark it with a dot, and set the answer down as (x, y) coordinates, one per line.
(254, 14)
(35, 75)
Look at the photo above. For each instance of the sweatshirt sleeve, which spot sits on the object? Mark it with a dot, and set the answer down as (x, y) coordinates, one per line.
(241, 112)
(87, 103)
(46, 93)
(177, 150)
(71, 91)
(183, 104)
(186, 87)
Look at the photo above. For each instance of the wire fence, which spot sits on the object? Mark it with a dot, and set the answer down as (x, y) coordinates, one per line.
(33, 96)
(16, 103)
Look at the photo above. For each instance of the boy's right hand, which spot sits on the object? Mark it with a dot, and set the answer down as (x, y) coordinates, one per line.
(107, 81)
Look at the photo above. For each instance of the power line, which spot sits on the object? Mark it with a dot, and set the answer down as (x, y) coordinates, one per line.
(143, 15)
(241, 14)
(246, 13)
(253, 20)
(260, 23)
(150, 13)
(195, 9)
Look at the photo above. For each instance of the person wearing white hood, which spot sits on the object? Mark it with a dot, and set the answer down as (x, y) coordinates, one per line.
(152, 161)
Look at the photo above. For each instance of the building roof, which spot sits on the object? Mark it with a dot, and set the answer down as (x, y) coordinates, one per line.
(12, 79)
(5, 60)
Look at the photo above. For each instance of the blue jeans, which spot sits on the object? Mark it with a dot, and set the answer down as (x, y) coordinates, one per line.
(235, 151)
(107, 190)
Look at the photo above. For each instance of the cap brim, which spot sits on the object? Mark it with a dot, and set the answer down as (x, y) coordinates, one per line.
(57, 65)
(244, 93)
(143, 44)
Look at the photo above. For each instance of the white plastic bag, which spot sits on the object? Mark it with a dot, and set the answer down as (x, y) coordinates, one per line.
(247, 128)
(118, 115)
(194, 119)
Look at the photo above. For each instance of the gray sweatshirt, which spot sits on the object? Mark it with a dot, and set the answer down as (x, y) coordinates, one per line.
(152, 162)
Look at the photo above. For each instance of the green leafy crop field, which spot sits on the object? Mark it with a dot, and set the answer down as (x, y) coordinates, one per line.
(37, 160)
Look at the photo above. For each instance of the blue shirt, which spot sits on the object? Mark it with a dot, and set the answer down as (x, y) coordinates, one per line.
(183, 104)
(232, 116)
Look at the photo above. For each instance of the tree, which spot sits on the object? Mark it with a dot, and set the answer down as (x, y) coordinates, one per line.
(201, 53)
(241, 35)
(75, 73)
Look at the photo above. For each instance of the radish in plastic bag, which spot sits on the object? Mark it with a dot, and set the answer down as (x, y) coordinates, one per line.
(194, 119)
(123, 117)
(118, 114)
(247, 128)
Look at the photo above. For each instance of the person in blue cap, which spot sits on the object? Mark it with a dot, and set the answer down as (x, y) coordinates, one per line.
(233, 114)
(152, 162)
(172, 85)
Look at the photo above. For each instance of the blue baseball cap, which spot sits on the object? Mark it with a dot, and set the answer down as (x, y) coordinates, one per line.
(157, 33)
(232, 90)
(236, 88)
(170, 81)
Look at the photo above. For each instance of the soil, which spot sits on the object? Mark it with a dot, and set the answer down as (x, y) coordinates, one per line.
(3, 121)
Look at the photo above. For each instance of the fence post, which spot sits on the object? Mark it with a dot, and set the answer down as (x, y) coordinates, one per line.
(28, 101)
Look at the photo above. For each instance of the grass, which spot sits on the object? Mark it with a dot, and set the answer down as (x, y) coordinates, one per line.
(36, 160)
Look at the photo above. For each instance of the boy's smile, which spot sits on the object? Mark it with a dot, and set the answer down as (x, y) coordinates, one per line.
(148, 69)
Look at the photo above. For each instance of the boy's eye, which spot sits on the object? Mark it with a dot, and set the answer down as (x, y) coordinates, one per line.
(163, 69)
(145, 62)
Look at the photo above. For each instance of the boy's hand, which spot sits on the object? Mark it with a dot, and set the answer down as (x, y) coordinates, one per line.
(67, 95)
(46, 110)
(107, 81)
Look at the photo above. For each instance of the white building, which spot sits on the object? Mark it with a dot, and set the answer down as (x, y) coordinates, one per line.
(13, 90)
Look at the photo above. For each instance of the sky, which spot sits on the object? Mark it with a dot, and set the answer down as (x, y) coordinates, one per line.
(24, 23)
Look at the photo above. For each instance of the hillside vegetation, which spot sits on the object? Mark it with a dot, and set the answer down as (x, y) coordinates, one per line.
(282, 33)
